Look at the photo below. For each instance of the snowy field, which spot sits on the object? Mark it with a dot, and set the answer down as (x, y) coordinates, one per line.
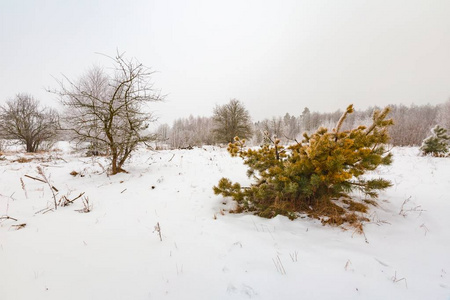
(114, 252)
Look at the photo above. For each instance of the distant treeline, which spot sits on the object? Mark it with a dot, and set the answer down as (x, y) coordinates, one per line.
(412, 125)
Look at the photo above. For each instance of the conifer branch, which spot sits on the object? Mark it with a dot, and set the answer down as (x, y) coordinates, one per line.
(349, 110)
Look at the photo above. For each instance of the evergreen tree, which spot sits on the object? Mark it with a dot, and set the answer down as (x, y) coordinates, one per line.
(314, 176)
(437, 143)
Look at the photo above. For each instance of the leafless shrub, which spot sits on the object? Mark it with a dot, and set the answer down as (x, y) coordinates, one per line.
(107, 110)
(24, 120)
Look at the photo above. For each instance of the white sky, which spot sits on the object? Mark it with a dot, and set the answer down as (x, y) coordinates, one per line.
(275, 56)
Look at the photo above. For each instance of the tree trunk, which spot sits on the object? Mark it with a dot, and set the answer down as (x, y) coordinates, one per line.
(30, 147)
(114, 168)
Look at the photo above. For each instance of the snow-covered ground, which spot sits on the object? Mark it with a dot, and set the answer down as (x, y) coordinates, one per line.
(114, 252)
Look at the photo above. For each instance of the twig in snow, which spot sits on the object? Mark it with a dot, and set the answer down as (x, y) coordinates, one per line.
(347, 265)
(7, 218)
(19, 226)
(43, 211)
(87, 206)
(424, 228)
(171, 157)
(179, 270)
(395, 280)
(68, 201)
(158, 229)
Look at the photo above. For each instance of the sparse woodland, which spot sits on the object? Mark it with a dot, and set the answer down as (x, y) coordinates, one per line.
(412, 124)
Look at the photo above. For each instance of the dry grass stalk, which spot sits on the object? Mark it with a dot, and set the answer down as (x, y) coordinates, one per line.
(347, 265)
(395, 280)
(87, 206)
(23, 160)
(404, 212)
(52, 188)
(23, 187)
(41, 180)
(158, 230)
(67, 201)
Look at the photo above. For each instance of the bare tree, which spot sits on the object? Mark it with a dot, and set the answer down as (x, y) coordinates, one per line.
(24, 120)
(412, 124)
(443, 117)
(231, 120)
(108, 110)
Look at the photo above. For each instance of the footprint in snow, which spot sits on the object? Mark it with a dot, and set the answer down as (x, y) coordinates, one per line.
(244, 289)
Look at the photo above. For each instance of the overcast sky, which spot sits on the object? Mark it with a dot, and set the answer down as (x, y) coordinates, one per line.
(274, 56)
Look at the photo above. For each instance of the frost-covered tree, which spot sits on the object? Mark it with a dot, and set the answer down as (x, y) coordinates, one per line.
(291, 126)
(412, 124)
(193, 131)
(230, 120)
(436, 144)
(443, 116)
(313, 175)
(23, 119)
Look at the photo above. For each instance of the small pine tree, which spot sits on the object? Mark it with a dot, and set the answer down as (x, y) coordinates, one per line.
(437, 143)
(314, 176)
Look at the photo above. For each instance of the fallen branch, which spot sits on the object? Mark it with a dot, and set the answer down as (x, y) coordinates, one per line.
(7, 218)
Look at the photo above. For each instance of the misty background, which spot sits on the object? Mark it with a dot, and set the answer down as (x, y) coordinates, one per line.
(274, 56)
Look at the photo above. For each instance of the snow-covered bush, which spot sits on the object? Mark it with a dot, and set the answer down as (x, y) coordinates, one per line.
(436, 144)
